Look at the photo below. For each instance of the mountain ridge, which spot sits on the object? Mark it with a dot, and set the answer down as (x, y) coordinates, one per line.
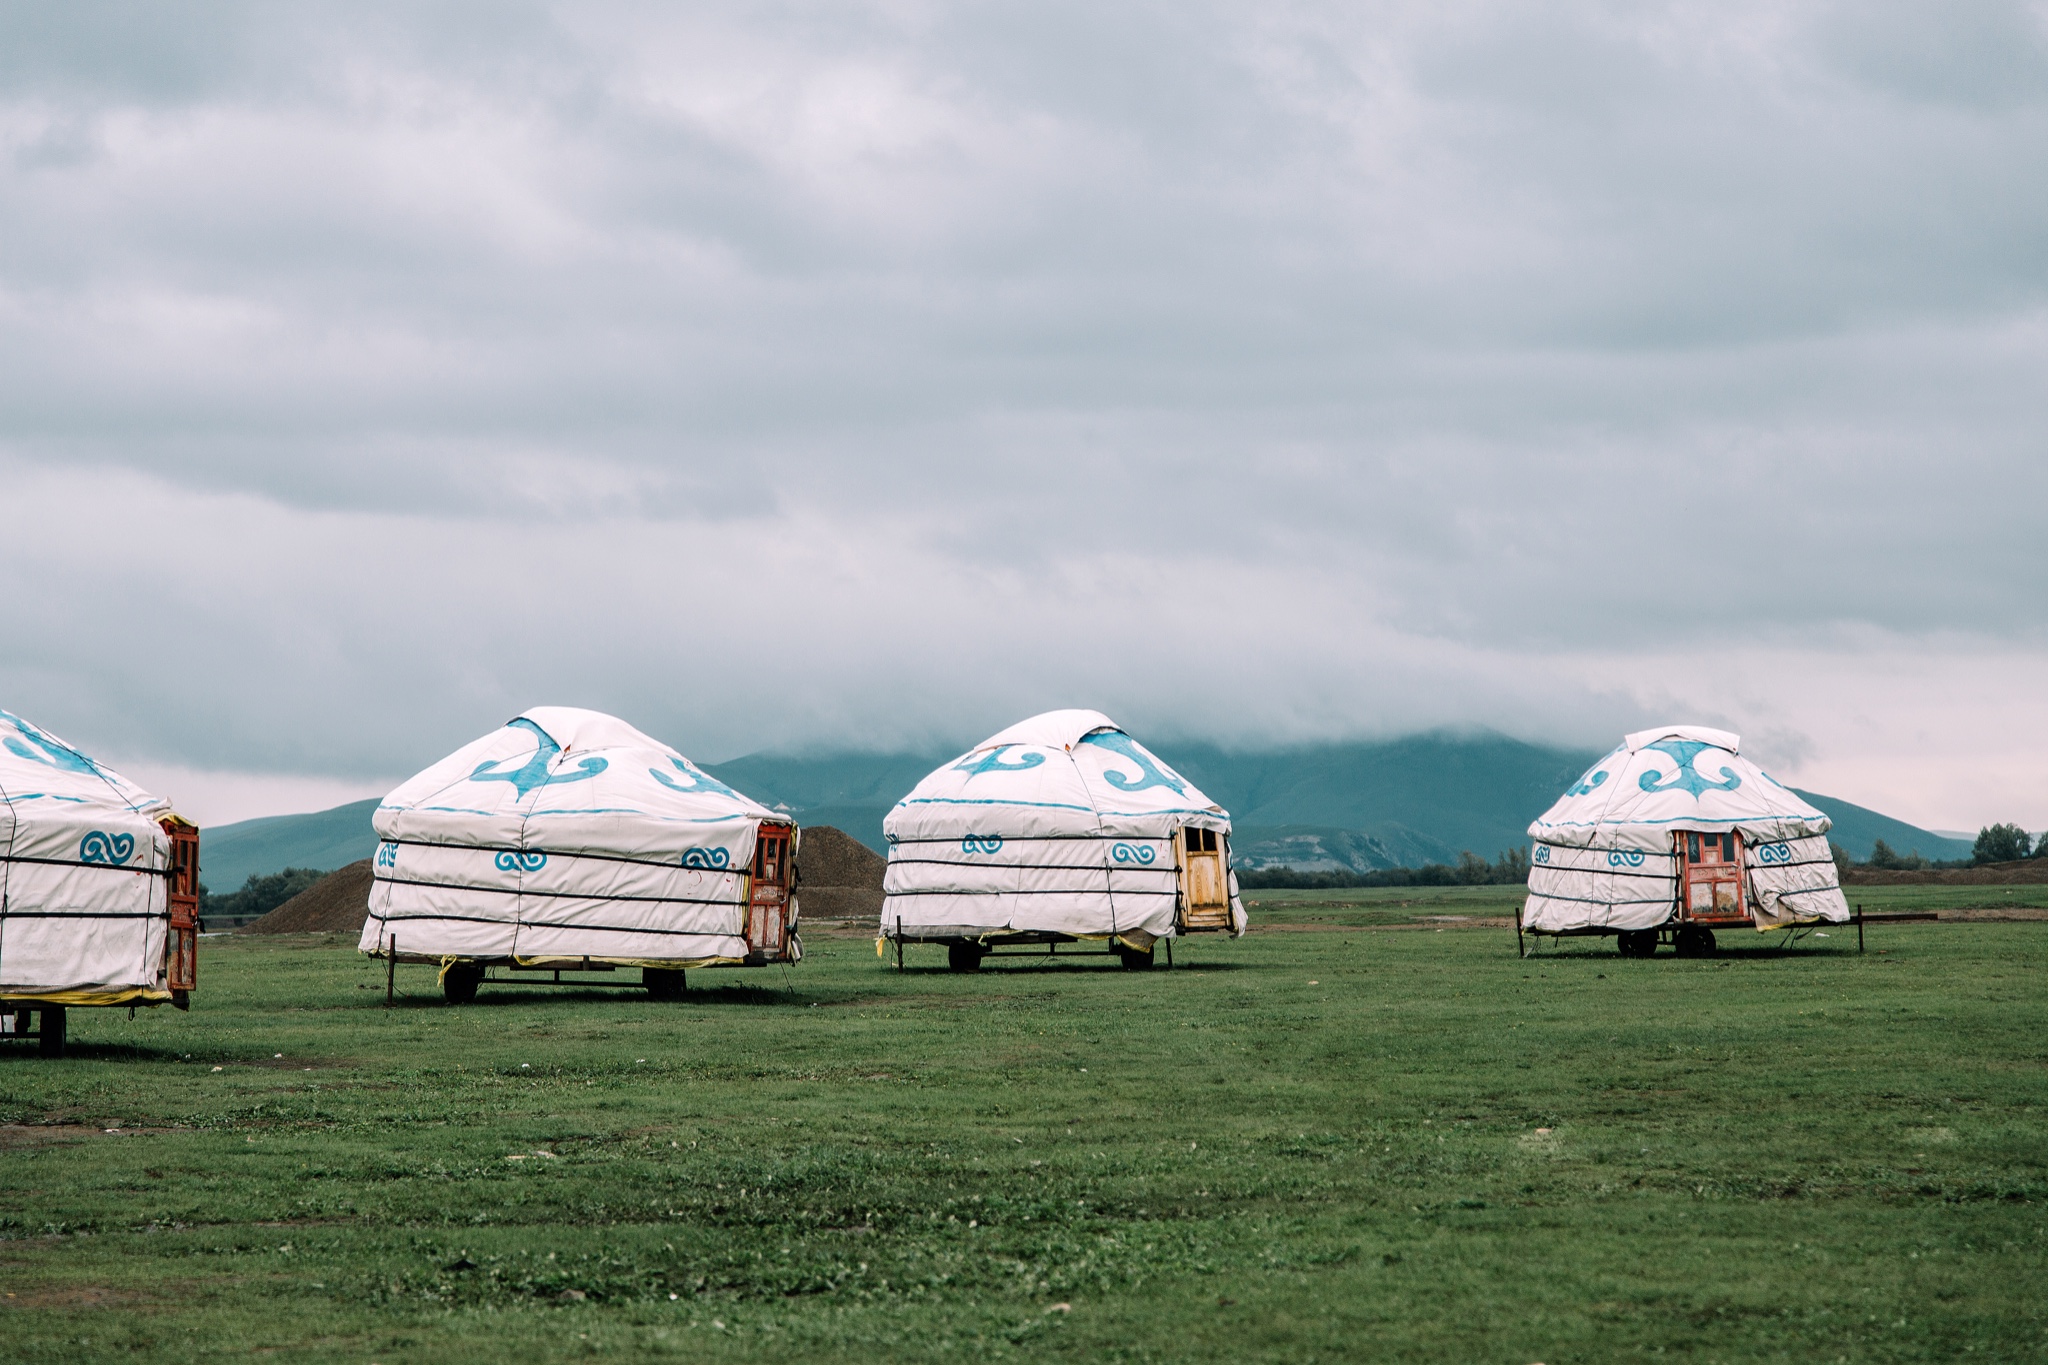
(1356, 805)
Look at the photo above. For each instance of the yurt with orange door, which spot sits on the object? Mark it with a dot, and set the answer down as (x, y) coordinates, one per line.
(1060, 829)
(1675, 835)
(567, 846)
(99, 889)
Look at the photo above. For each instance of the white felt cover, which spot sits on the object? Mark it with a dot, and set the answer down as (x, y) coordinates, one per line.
(564, 834)
(1604, 856)
(84, 899)
(1062, 823)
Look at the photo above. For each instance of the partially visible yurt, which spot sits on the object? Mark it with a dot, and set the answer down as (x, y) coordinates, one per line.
(99, 889)
(566, 841)
(1060, 829)
(1675, 835)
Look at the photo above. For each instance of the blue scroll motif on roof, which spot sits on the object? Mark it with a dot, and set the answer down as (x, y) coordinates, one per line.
(1585, 785)
(1150, 772)
(521, 860)
(977, 843)
(102, 847)
(699, 781)
(45, 750)
(1688, 779)
(534, 773)
(992, 762)
(710, 859)
(1142, 854)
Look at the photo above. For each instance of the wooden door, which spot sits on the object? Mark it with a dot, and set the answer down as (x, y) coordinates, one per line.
(768, 898)
(181, 946)
(1204, 879)
(1712, 866)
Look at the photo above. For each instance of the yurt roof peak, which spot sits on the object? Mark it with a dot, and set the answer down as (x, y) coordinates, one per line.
(574, 728)
(1050, 730)
(1694, 734)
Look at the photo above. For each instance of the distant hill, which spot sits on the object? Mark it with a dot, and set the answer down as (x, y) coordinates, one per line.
(230, 854)
(1355, 806)
(1857, 828)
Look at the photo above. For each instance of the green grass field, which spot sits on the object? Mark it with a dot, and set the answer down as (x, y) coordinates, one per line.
(1343, 1143)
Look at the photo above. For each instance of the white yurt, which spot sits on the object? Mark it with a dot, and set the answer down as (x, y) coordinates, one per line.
(1674, 835)
(1060, 828)
(89, 864)
(569, 841)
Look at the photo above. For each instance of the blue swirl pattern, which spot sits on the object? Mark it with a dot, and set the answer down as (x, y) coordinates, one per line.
(700, 781)
(521, 860)
(976, 843)
(1150, 773)
(1142, 854)
(1774, 853)
(534, 772)
(387, 854)
(1687, 779)
(992, 762)
(1631, 857)
(709, 859)
(47, 751)
(102, 847)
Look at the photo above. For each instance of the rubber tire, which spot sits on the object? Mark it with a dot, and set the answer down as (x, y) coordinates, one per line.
(965, 957)
(50, 1041)
(459, 983)
(1638, 943)
(663, 983)
(1133, 959)
(1694, 941)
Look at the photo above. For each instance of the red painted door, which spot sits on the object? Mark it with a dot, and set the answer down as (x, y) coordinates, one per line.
(768, 901)
(1712, 865)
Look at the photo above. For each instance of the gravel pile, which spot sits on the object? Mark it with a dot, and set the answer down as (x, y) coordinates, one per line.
(338, 901)
(841, 876)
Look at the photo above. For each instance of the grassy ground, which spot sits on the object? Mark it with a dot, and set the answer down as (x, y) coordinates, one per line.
(1353, 1144)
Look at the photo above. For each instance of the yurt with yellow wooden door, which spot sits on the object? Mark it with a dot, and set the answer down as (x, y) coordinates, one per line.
(1061, 829)
(1673, 836)
(566, 847)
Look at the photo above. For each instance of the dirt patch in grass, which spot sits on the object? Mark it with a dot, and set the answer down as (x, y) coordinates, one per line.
(77, 1296)
(2026, 872)
(37, 1134)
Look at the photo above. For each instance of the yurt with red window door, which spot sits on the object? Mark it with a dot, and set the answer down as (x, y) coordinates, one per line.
(566, 847)
(1060, 829)
(99, 889)
(1673, 836)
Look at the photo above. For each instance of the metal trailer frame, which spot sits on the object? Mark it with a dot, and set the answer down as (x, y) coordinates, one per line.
(1021, 942)
(1668, 932)
(181, 953)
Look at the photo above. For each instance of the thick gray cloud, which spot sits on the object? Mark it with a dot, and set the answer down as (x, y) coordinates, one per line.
(820, 373)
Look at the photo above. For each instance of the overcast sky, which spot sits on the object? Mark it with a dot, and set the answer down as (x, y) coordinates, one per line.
(784, 376)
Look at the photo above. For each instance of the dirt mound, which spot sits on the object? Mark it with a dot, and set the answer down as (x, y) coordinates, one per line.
(339, 900)
(841, 876)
